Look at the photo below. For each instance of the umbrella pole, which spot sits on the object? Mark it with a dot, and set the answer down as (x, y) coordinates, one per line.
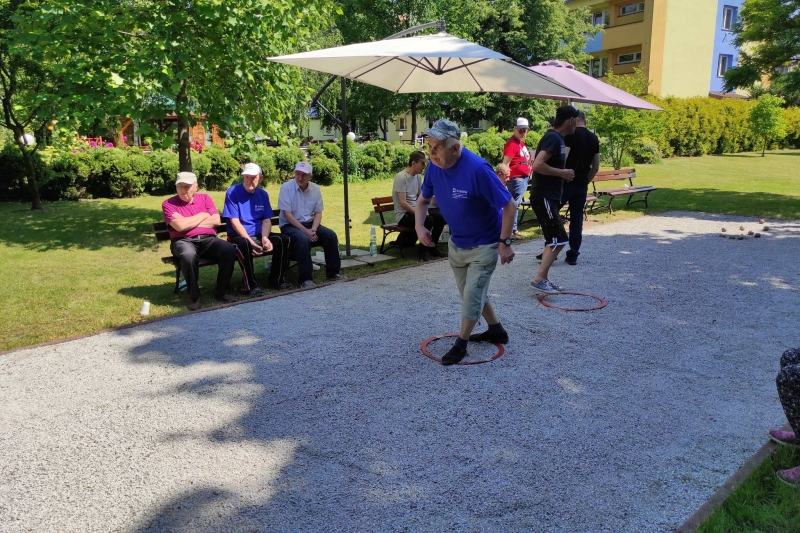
(345, 131)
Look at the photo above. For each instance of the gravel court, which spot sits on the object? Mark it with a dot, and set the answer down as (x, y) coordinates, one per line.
(317, 411)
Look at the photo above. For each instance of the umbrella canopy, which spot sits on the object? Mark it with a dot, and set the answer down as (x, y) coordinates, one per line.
(593, 91)
(430, 63)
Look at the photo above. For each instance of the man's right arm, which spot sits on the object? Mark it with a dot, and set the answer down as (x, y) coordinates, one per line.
(188, 223)
(420, 213)
(540, 166)
(595, 166)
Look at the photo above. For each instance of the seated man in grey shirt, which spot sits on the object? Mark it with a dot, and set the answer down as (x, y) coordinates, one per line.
(300, 202)
(405, 191)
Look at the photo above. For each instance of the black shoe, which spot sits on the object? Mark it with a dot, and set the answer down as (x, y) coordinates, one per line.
(454, 356)
(424, 256)
(486, 336)
(539, 257)
(255, 292)
(571, 260)
(434, 252)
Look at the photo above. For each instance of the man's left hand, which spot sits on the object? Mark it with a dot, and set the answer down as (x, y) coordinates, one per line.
(266, 243)
(506, 254)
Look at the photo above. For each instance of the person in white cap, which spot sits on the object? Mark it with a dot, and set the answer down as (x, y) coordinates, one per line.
(518, 158)
(300, 203)
(249, 214)
(192, 218)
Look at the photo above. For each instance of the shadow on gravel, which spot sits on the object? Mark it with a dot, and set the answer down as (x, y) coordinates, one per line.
(380, 456)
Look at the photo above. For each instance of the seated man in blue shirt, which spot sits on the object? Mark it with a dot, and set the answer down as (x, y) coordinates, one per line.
(480, 212)
(249, 225)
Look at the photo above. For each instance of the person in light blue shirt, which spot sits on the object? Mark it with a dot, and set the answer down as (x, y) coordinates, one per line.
(480, 212)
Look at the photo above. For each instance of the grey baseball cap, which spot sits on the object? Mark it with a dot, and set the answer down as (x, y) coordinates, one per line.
(442, 129)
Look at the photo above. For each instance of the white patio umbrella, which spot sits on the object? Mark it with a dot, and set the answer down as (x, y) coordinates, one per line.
(429, 63)
(422, 64)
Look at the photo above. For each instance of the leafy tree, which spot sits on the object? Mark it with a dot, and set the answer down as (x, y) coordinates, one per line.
(29, 92)
(622, 127)
(529, 31)
(201, 60)
(767, 120)
(768, 37)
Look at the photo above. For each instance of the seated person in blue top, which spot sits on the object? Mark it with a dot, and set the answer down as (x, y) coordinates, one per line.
(480, 212)
(249, 212)
(300, 202)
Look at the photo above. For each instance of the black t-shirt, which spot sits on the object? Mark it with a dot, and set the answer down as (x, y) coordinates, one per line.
(583, 145)
(550, 186)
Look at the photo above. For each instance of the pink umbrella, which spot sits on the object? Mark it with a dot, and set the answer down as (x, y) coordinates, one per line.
(593, 90)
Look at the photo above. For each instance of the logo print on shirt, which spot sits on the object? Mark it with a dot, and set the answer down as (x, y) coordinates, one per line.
(259, 207)
(459, 194)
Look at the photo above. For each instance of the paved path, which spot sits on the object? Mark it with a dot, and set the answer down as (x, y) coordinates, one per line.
(317, 412)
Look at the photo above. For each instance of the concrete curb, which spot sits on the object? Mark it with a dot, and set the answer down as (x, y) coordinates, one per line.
(203, 310)
(727, 488)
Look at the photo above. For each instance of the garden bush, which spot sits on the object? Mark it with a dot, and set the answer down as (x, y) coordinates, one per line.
(265, 158)
(332, 151)
(326, 170)
(223, 171)
(13, 181)
(115, 173)
(398, 155)
(286, 157)
(791, 116)
(645, 151)
(163, 169)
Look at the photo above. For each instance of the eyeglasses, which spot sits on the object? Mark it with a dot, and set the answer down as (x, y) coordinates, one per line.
(523, 130)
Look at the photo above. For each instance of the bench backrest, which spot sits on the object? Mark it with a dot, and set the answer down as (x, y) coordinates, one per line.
(381, 205)
(621, 174)
(161, 230)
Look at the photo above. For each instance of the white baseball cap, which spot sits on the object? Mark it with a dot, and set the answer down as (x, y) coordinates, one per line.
(522, 122)
(303, 167)
(251, 169)
(186, 177)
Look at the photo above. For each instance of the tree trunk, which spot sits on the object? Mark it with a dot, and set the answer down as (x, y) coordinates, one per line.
(764, 148)
(414, 104)
(184, 152)
(36, 202)
(383, 124)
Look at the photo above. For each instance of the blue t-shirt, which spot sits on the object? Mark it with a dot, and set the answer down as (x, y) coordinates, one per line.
(545, 186)
(250, 209)
(471, 199)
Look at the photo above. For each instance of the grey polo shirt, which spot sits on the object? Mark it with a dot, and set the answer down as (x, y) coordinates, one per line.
(409, 184)
(302, 204)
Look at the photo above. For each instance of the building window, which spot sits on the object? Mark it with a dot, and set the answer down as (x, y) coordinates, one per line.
(601, 18)
(633, 57)
(725, 62)
(327, 131)
(729, 17)
(630, 9)
(598, 67)
(401, 124)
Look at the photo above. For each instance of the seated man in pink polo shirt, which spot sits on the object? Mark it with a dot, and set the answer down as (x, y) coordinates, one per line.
(192, 217)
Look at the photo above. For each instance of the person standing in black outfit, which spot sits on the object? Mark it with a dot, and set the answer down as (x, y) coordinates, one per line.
(583, 156)
(549, 174)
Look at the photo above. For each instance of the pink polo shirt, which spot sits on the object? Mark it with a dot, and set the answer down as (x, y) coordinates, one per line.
(201, 203)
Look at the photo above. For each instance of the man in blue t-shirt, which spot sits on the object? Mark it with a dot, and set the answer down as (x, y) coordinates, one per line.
(480, 212)
(549, 175)
(249, 224)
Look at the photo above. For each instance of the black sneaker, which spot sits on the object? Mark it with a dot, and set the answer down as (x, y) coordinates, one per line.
(539, 257)
(494, 338)
(454, 356)
(255, 292)
(434, 252)
(571, 260)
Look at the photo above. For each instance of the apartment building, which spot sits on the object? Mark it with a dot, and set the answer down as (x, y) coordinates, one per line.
(684, 46)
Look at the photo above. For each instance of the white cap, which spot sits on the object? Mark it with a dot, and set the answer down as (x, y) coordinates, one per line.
(251, 169)
(522, 122)
(186, 177)
(303, 167)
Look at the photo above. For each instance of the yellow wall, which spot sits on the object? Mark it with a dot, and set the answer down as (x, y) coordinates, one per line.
(688, 42)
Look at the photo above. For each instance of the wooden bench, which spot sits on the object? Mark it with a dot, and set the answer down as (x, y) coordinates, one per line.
(628, 189)
(525, 206)
(382, 205)
(161, 232)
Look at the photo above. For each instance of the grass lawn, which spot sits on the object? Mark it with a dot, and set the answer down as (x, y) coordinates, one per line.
(761, 504)
(78, 267)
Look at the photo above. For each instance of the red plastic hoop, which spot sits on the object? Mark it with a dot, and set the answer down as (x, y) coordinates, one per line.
(424, 347)
(602, 304)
